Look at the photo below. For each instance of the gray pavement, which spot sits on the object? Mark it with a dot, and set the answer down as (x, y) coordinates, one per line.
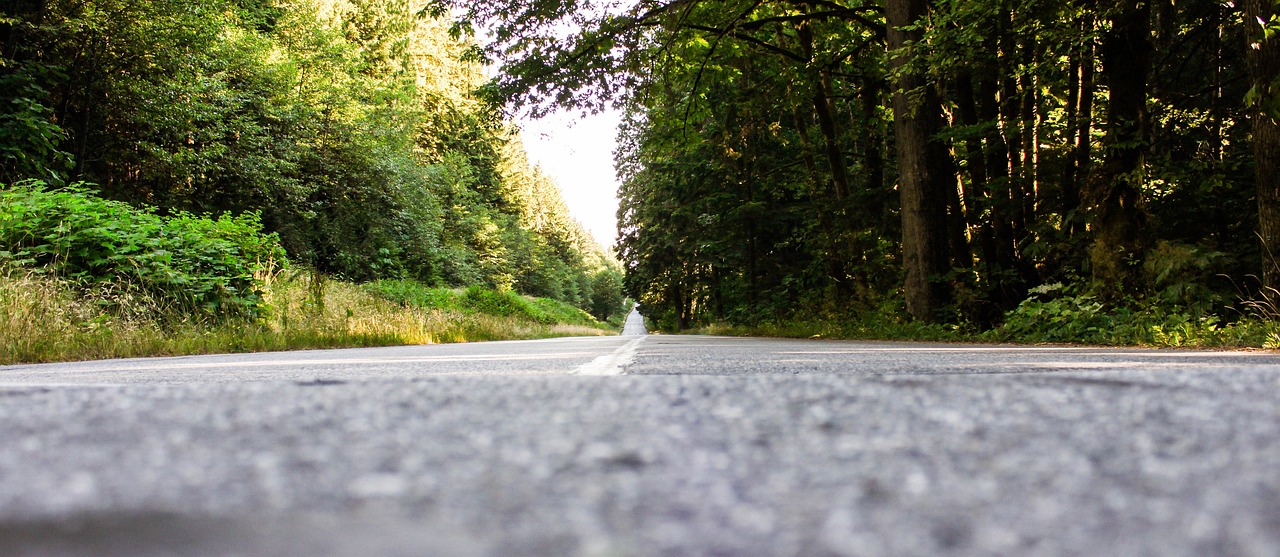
(644, 446)
(634, 324)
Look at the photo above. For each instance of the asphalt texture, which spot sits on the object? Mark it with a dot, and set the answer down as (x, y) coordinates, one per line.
(646, 446)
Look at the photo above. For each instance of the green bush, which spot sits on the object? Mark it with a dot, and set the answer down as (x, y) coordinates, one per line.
(1052, 313)
(181, 264)
(1067, 314)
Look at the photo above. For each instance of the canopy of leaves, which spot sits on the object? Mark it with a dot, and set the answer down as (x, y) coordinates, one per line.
(1088, 144)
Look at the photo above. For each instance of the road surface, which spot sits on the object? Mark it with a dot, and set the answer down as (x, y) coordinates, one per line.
(646, 446)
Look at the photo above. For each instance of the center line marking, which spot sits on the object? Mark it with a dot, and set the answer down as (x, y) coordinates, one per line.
(612, 363)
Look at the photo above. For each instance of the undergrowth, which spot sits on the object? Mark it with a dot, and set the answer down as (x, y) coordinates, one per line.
(1054, 314)
(47, 319)
(86, 278)
(122, 256)
(477, 300)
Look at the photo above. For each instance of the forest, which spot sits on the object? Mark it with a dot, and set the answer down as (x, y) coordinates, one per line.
(1036, 169)
(348, 132)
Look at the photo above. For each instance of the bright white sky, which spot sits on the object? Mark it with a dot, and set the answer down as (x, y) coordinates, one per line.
(577, 152)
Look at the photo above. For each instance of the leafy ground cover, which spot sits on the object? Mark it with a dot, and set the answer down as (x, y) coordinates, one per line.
(1054, 315)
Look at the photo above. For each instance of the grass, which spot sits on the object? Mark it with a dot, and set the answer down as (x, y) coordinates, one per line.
(476, 300)
(45, 319)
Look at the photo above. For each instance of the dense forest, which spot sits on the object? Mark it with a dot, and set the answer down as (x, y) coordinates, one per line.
(350, 129)
(941, 161)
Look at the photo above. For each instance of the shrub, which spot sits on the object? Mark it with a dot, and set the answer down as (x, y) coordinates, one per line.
(182, 264)
(1053, 313)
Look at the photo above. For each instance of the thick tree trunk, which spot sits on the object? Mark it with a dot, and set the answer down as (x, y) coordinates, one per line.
(1263, 58)
(923, 167)
(1115, 192)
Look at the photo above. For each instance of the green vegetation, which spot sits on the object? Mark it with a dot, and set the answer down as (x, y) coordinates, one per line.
(83, 278)
(46, 319)
(135, 259)
(1068, 320)
(345, 137)
(1026, 170)
(476, 299)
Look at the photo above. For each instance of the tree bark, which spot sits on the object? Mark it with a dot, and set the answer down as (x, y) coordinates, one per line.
(1076, 172)
(923, 167)
(1263, 58)
(1116, 190)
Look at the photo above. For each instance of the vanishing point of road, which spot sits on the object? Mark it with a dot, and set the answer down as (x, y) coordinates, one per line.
(646, 446)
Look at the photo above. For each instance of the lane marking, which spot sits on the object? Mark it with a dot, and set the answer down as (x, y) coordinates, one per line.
(110, 366)
(612, 363)
(36, 386)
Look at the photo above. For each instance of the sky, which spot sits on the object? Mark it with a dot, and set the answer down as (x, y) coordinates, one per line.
(577, 152)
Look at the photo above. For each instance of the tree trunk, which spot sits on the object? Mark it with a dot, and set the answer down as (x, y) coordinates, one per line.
(831, 135)
(1117, 247)
(1263, 58)
(1081, 122)
(1030, 186)
(1069, 186)
(1011, 291)
(978, 200)
(825, 111)
(923, 167)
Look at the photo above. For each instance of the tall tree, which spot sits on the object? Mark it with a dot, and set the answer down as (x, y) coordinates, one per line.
(925, 175)
(1263, 56)
(1116, 192)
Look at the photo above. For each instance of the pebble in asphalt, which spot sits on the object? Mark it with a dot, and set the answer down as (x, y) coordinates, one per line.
(705, 446)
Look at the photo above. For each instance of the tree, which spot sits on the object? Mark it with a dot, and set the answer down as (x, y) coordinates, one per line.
(1263, 55)
(1116, 189)
(924, 165)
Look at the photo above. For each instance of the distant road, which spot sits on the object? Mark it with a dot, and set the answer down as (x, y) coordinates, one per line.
(645, 446)
(634, 325)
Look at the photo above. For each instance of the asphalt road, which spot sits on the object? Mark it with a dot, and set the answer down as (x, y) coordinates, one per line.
(646, 446)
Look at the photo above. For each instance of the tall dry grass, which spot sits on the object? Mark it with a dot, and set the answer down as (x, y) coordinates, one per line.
(44, 319)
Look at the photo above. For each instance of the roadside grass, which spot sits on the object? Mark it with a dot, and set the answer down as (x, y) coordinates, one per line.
(477, 300)
(47, 319)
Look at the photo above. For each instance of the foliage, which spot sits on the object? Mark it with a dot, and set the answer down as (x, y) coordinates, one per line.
(29, 140)
(1061, 314)
(351, 127)
(44, 318)
(765, 158)
(480, 300)
(181, 263)
(607, 301)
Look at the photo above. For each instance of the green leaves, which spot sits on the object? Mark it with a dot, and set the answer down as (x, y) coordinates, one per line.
(29, 139)
(201, 265)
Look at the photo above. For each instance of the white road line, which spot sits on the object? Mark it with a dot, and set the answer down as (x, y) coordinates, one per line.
(18, 385)
(612, 363)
